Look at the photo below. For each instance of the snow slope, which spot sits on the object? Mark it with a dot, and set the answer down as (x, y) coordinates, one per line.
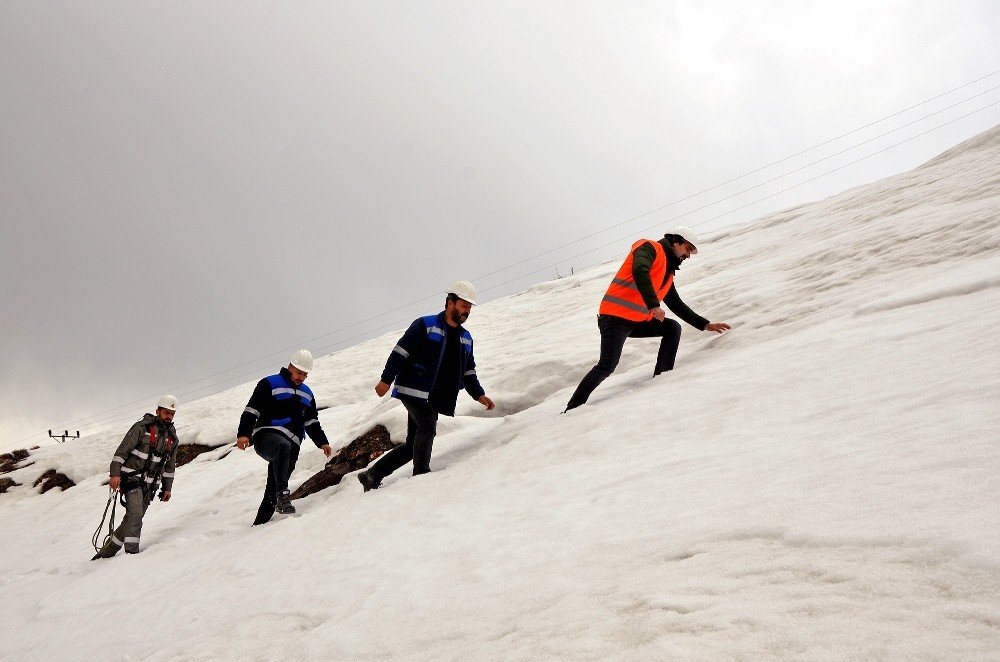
(818, 484)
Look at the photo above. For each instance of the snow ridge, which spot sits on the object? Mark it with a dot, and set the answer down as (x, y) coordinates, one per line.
(817, 484)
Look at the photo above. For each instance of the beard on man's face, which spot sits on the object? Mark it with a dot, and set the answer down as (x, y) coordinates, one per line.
(458, 317)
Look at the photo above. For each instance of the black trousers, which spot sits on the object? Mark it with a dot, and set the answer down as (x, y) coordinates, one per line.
(614, 332)
(276, 449)
(421, 428)
(281, 455)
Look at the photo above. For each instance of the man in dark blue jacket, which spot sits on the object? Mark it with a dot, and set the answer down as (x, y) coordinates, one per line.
(281, 411)
(430, 364)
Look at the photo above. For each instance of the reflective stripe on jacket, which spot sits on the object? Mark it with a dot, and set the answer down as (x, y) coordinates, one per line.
(623, 298)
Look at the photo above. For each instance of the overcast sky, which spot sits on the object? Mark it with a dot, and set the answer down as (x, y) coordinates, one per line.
(186, 187)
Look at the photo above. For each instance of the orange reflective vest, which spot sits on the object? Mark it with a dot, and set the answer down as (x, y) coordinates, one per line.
(623, 298)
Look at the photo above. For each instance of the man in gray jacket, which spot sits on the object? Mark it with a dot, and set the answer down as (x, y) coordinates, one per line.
(147, 455)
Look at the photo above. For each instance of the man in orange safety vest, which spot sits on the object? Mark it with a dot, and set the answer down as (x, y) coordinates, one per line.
(631, 307)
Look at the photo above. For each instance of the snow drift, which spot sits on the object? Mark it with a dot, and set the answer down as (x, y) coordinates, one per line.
(819, 483)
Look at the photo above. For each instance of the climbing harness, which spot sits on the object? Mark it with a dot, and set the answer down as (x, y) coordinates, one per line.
(138, 479)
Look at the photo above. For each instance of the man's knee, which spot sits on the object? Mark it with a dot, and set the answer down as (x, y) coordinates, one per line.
(427, 427)
(424, 421)
(605, 368)
(283, 447)
(272, 446)
(671, 332)
(133, 522)
(668, 328)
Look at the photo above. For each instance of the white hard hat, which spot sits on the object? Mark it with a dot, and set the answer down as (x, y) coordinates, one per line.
(464, 290)
(687, 234)
(302, 359)
(167, 402)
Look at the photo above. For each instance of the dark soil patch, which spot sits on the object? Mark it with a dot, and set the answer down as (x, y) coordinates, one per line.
(356, 455)
(188, 452)
(6, 484)
(53, 478)
(10, 461)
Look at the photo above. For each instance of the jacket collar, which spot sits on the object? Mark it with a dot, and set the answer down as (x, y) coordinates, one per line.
(673, 264)
(443, 323)
(150, 419)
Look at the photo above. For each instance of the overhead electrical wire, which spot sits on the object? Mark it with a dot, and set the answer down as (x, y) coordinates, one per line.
(394, 323)
(106, 420)
(756, 170)
(107, 417)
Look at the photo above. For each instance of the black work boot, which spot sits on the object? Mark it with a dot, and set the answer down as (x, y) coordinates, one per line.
(108, 550)
(368, 481)
(283, 504)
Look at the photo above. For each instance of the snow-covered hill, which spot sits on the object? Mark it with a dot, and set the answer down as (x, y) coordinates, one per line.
(819, 483)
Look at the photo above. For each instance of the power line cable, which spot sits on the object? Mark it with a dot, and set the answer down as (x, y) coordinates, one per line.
(616, 241)
(358, 323)
(179, 389)
(732, 211)
(107, 420)
(791, 172)
(751, 172)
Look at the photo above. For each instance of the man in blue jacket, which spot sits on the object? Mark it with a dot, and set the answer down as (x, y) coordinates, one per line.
(281, 411)
(430, 364)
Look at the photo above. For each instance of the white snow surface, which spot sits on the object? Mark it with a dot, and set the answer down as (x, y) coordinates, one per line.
(820, 483)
